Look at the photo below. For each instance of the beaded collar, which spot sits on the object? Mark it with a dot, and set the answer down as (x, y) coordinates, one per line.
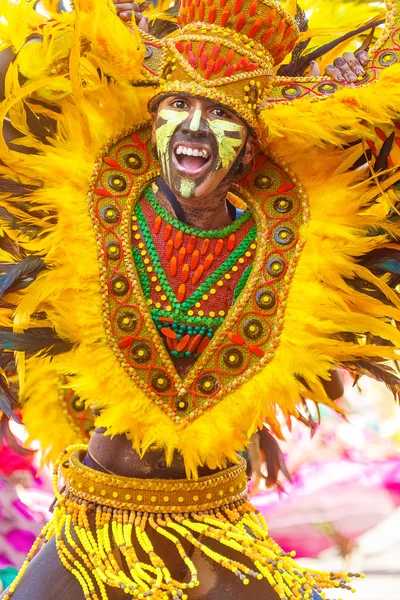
(190, 278)
(241, 341)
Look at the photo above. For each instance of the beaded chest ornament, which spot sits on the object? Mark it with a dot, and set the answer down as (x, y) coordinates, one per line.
(170, 291)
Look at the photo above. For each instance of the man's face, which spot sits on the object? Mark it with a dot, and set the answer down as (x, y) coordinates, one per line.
(198, 141)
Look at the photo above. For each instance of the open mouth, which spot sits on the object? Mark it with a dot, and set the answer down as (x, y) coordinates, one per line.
(192, 159)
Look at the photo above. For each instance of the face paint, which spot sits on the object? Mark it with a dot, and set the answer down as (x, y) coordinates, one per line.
(195, 122)
(226, 145)
(187, 187)
(164, 134)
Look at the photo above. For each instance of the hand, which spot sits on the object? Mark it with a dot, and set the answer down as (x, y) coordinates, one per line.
(347, 68)
(125, 9)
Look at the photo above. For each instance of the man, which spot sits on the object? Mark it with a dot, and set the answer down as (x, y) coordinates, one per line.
(195, 259)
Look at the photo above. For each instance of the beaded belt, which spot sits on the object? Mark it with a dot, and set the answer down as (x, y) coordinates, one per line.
(156, 495)
(104, 527)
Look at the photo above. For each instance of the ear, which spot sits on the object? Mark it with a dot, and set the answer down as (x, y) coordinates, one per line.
(253, 146)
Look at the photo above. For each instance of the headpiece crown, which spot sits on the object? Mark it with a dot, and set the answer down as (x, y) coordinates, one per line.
(226, 50)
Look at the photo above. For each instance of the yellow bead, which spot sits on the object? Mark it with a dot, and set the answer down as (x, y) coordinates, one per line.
(115, 494)
(140, 498)
(153, 498)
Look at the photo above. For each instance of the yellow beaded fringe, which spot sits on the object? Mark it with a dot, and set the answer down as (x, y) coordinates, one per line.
(123, 509)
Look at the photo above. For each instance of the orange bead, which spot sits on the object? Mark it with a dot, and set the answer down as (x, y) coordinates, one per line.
(183, 342)
(169, 333)
(208, 261)
(191, 245)
(195, 259)
(240, 22)
(178, 239)
(201, 11)
(253, 8)
(204, 246)
(197, 274)
(225, 16)
(166, 319)
(169, 248)
(236, 338)
(194, 342)
(287, 32)
(185, 273)
(218, 247)
(271, 17)
(170, 343)
(229, 56)
(157, 224)
(181, 255)
(181, 292)
(173, 267)
(212, 14)
(281, 26)
(256, 27)
(267, 35)
(219, 63)
(167, 232)
(215, 51)
(237, 7)
(203, 345)
(256, 350)
(231, 241)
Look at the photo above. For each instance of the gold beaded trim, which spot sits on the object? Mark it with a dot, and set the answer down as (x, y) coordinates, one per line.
(156, 495)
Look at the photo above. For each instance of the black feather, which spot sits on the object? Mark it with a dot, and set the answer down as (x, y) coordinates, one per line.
(41, 341)
(381, 162)
(8, 400)
(20, 275)
(12, 443)
(273, 457)
(297, 68)
(378, 369)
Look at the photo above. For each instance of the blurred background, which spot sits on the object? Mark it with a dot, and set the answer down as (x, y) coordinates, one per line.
(340, 507)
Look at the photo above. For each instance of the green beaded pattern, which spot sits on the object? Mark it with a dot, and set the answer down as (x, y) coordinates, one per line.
(211, 233)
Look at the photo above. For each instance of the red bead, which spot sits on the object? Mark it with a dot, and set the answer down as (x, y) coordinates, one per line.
(194, 342)
(192, 59)
(215, 51)
(204, 246)
(181, 255)
(287, 32)
(169, 333)
(185, 273)
(229, 71)
(256, 350)
(167, 232)
(201, 11)
(267, 35)
(181, 292)
(191, 245)
(240, 22)
(218, 247)
(173, 267)
(253, 8)
(237, 7)
(236, 338)
(195, 259)
(271, 17)
(197, 274)
(203, 60)
(183, 342)
(231, 241)
(252, 66)
(178, 239)
(229, 56)
(225, 16)
(212, 14)
(219, 63)
(281, 27)
(157, 224)
(256, 27)
(169, 248)
(208, 261)
(203, 345)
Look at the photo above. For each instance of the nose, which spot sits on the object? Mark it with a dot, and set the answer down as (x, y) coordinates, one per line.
(195, 124)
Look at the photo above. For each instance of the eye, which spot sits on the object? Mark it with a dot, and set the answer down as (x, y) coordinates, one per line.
(180, 104)
(219, 112)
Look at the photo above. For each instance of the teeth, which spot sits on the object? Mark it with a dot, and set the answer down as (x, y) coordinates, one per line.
(191, 151)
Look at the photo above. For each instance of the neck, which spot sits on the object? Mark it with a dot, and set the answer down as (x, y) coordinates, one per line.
(206, 212)
(116, 455)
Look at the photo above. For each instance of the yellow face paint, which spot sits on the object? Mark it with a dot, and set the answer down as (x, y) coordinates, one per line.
(187, 188)
(226, 145)
(195, 122)
(164, 134)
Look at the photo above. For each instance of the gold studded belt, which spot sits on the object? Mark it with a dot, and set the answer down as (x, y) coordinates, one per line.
(156, 495)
